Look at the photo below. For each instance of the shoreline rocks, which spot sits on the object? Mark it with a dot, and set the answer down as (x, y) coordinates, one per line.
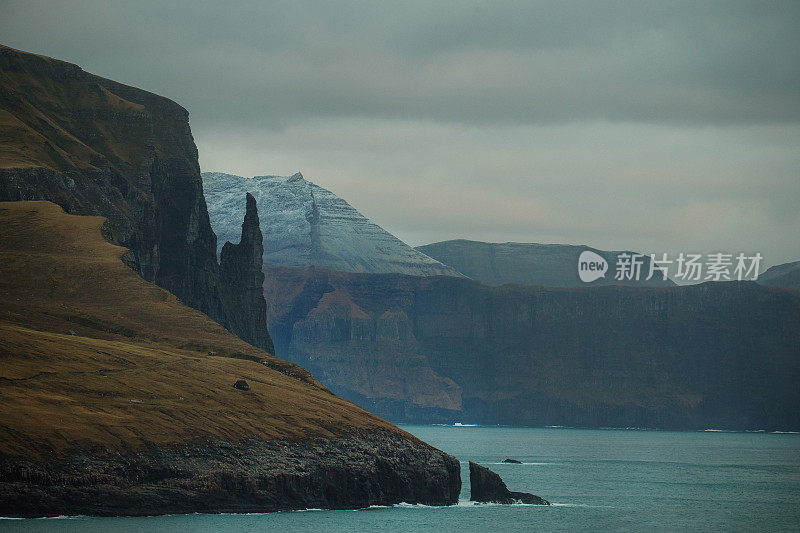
(487, 487)
(346, 473)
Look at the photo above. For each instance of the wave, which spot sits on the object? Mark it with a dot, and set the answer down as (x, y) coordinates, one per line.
(469, 504)
(583, 505)
(59, 517)
(524, 463)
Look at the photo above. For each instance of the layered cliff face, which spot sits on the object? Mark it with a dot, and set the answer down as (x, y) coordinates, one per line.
(716, 355)
(785, 275)
(305, 224)
(241, 281)
(97, 147)
(549, 265)
(113, 403)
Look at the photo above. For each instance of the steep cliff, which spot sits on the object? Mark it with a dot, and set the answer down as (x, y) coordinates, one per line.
(308, 225)
(97, 147)
(715, 355)
(241, 281)
(549, 265)
(118, 399)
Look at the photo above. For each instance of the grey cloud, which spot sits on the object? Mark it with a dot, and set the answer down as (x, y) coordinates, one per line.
(651, 125)
(269, 64)
(640, 186)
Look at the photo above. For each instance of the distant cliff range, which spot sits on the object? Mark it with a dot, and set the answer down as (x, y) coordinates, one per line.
(714, 355)
(548, 265)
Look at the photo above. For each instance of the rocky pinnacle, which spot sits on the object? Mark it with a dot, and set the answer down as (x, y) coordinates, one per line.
(241, 281)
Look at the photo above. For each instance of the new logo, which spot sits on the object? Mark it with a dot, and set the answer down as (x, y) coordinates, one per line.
(591, 266)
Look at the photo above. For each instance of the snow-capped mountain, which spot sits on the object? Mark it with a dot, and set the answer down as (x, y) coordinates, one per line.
(304, 224)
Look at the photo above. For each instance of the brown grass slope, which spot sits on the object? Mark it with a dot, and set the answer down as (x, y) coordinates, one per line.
(94, 358)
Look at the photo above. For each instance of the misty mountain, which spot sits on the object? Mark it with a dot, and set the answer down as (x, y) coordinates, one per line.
(785, 275)
(305, 224)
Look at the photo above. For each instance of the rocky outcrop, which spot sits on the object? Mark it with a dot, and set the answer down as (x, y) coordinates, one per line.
(549, 265)
(345, 473)
(308, 225)
(241, 281)
(487, 487)
(715, 355)
(785, 275)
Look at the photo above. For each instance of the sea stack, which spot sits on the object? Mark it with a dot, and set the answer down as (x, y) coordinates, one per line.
(488, 487)
(241, 281)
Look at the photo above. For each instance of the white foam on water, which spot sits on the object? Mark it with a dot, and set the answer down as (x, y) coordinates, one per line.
(583, 505)
(524, 463)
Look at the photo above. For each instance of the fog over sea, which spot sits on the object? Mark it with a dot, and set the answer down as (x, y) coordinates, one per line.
(597, 480)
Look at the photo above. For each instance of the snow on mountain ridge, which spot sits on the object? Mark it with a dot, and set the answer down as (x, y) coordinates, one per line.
(304, 224)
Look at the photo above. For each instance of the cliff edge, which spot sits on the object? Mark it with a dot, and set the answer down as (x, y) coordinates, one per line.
(98, 147)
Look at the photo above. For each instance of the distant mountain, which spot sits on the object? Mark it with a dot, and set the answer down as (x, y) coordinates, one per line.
(549, 265)
(785, 275)
(304, 224)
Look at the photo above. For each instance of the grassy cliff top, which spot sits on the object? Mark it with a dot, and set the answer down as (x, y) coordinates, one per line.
(96, 359)
(55, 115)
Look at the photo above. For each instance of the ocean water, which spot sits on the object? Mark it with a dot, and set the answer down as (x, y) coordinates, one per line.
(597, 480)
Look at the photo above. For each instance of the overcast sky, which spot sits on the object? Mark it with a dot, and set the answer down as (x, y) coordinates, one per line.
(655, 126)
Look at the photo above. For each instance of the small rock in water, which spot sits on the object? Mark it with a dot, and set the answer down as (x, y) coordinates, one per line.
(487, 487)
(513, 461)
(241, 385)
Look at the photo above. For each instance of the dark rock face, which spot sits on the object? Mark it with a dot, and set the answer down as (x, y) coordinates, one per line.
(549, 265)
(241, 385)
(487, 487)
(716, 355)
(241, 281)
(347, 473)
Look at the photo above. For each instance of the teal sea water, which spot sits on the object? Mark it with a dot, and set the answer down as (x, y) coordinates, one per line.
(598, 480)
